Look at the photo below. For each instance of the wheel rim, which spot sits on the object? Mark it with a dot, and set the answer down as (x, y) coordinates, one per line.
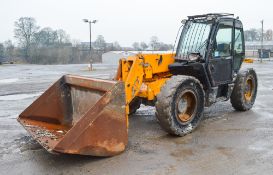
(249, 89)
(186, 107)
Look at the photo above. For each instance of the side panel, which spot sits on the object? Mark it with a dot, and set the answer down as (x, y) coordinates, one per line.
(158, 62)
(196, 70)
(150, 90)
(221, 70)
(131, 72)
(144, 74)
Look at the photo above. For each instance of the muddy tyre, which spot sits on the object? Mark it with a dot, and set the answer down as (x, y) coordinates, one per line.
(134, 105)
(180, 105)
(245, 90)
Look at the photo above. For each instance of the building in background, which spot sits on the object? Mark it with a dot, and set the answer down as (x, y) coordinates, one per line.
(253, 47)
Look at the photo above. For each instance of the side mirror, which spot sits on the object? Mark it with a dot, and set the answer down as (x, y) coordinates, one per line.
(195, 56)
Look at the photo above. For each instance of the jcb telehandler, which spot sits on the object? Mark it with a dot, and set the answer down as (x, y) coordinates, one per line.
(80, 115)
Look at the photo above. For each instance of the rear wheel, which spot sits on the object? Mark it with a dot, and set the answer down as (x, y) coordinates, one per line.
(180, 105)
(245, 90)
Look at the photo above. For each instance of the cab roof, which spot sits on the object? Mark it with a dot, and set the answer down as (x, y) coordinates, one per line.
(211, 15)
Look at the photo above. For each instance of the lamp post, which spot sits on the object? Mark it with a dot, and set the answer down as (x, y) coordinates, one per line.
(90, 42)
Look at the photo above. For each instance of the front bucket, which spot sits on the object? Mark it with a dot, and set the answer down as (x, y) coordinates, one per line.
(79, 115)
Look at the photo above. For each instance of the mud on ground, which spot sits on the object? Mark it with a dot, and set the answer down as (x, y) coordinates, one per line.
(226, 142)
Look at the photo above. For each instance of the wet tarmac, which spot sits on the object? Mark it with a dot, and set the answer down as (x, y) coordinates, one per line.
(226, 142)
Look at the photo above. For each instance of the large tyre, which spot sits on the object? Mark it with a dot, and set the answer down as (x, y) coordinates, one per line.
(180, 105)
(134, 105)
(245, 90)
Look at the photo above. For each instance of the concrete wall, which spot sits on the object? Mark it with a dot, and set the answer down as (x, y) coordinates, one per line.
(252, 53)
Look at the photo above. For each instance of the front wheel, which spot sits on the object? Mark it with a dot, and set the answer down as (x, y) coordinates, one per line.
(245, 90)
(180, 105)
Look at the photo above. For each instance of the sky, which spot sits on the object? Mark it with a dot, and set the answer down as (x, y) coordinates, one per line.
(127, 21)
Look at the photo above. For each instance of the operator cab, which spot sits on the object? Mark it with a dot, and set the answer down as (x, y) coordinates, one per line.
(211, 48)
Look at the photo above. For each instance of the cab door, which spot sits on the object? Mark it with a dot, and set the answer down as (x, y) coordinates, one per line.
(221, 58)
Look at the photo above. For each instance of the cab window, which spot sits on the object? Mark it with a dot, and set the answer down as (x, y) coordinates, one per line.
(223, 41)
(238, 42)
(238, 48)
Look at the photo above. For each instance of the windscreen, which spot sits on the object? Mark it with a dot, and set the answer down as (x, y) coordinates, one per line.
(194, 39)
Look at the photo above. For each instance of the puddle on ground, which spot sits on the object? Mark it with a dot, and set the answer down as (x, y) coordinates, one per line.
(20, 145)
(26, 143)
(182, 153)
(8, 80)
(18, 96)
(225, 150)
(140, 148)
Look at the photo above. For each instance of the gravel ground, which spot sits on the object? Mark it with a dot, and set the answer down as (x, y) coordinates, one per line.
(226, 142)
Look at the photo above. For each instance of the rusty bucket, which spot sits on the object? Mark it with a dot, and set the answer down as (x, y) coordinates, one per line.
(79, 115)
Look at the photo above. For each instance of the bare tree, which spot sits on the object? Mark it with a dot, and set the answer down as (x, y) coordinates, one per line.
(116, 46)
(46, 37)
(154, 43)
(25, 28)
(165, 47)
(2, 50)
(100, 43)
(269, 35)
(252, 35)
(136, 46)
(9, 50)
(76, 43)
(63, 37)
(143, 46)
(247, 35)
